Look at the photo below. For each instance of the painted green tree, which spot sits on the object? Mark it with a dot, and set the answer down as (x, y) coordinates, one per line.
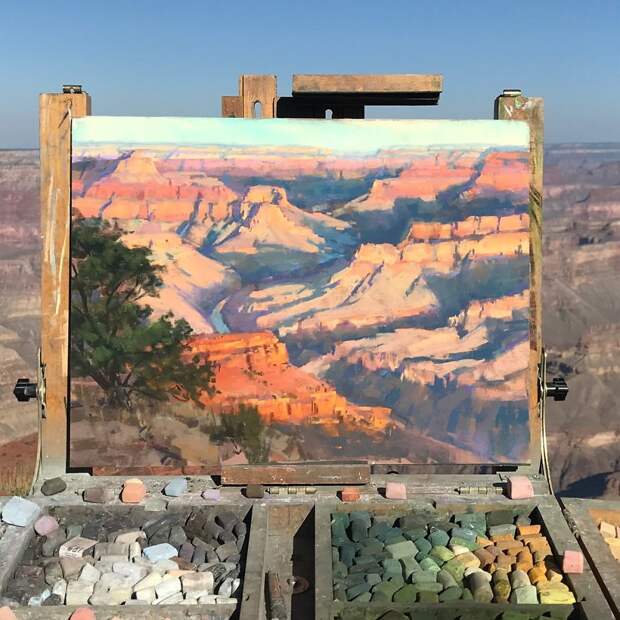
(247, 432)
(114, 339)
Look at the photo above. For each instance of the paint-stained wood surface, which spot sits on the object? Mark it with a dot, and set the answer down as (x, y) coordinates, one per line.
(290, 554)
(255, 89)
(586, 514)
(56, 112)
(365, 84)
(304, 473)
(338, 92)
(155, 470)
(253, 604)
(232, 106)
(531, 110)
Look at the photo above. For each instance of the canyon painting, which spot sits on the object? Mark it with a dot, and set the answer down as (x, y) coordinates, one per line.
(290, 290)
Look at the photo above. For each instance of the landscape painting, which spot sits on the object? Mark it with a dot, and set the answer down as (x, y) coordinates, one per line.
(266, 291)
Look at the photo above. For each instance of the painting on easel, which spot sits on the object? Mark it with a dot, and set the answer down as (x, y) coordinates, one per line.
(289, 290)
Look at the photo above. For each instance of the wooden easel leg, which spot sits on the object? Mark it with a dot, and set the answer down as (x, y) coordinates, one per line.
(516, 107)
(55, 114)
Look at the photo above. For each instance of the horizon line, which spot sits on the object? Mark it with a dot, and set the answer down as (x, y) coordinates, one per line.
(4, 149)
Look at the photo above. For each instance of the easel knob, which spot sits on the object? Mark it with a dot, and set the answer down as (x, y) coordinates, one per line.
(25, 390)
(557, 389)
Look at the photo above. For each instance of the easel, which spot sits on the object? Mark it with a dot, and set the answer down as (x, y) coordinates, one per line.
(345, 95)
(277, 522)
(312, 95)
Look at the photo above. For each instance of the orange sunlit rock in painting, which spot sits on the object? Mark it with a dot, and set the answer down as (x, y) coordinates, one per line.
(502, 173)
(475, 225)
(254, 369)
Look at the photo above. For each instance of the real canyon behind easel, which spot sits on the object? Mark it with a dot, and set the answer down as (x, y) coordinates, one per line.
(573, 212)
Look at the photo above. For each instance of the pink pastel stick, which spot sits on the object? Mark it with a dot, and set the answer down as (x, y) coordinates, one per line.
(520, 487)
(572, 562)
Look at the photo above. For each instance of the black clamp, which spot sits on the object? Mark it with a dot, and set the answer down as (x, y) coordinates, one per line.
(25, 390)
(71, 89)
(557, 389)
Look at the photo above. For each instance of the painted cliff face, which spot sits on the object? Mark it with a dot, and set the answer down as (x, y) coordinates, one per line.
(283, 290)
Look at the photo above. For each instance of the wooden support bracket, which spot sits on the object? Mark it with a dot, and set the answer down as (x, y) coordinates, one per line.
(345, 95)
(253, 90)
(258, 89)
(402, 84)
(297, 473)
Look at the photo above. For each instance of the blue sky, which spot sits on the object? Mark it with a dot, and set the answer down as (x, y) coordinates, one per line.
(360, 137)
(156, 58)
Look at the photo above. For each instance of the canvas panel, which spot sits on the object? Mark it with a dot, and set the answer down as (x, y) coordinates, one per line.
(290, 290)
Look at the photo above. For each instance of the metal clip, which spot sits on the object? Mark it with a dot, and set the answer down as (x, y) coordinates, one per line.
(572, 524)
(489, 489)
(291, 490)
(556, 389)
(42, 391)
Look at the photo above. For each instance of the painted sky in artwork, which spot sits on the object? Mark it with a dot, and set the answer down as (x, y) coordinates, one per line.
(361, 287)
(339, 135)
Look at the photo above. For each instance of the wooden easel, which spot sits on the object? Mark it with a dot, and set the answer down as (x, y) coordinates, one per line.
(345, 95)
(312, 95)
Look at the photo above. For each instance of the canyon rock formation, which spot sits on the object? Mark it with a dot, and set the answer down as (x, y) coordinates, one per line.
(254, 369)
